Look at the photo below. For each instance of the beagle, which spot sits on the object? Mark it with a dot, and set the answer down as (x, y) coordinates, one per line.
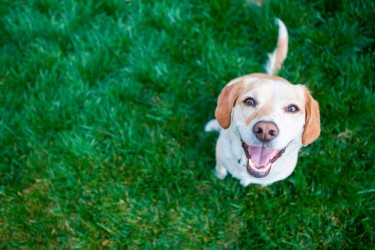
(263, 122)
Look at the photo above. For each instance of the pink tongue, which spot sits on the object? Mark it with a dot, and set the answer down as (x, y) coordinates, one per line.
(260, 156)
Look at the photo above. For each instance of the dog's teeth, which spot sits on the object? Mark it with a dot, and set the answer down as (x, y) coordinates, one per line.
(251, 163)
(269, 165)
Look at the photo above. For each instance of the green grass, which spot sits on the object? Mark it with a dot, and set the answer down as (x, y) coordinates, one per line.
(102, 110)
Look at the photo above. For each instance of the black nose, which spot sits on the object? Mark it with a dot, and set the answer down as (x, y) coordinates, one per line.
(265, 131)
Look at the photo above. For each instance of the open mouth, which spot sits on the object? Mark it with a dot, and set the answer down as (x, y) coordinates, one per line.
(260, 159)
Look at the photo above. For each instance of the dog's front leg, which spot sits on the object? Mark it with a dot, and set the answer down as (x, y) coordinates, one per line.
(220, 171)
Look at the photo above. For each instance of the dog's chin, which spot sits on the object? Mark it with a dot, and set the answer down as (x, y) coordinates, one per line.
(260, 159)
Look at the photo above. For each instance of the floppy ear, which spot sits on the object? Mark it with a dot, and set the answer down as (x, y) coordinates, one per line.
(312, 121)
(227, 99)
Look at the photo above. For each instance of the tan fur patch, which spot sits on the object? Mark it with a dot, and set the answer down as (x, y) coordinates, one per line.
(227, 99)
(267, 108)
(312, 123)
(264, 111)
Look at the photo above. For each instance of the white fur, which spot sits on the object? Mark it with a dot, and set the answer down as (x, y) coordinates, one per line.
(273, 95)
(278, 56)
(230, 156)
(212, 125)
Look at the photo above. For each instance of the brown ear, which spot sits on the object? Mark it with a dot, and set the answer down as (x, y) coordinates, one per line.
(227, 99)
(312, 121)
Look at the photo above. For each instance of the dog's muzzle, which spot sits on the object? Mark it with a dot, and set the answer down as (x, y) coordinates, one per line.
(260, 159)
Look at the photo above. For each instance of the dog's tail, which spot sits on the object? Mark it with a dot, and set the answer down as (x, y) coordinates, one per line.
(276, 59)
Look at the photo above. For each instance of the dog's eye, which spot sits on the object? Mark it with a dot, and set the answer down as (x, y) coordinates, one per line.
(292, 109)
(249, 102)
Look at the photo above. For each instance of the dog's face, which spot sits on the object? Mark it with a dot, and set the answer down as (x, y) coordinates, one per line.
(269, 114)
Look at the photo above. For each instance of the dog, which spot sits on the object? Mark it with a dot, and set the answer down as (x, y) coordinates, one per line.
(263, 121)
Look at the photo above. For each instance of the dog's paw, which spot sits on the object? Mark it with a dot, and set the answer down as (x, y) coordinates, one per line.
(245, 182)
(221, 172)
(212, 125)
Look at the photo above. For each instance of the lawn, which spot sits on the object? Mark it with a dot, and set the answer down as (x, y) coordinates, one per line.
(102, 112)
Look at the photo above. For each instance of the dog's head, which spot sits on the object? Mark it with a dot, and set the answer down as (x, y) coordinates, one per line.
(269, 114)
